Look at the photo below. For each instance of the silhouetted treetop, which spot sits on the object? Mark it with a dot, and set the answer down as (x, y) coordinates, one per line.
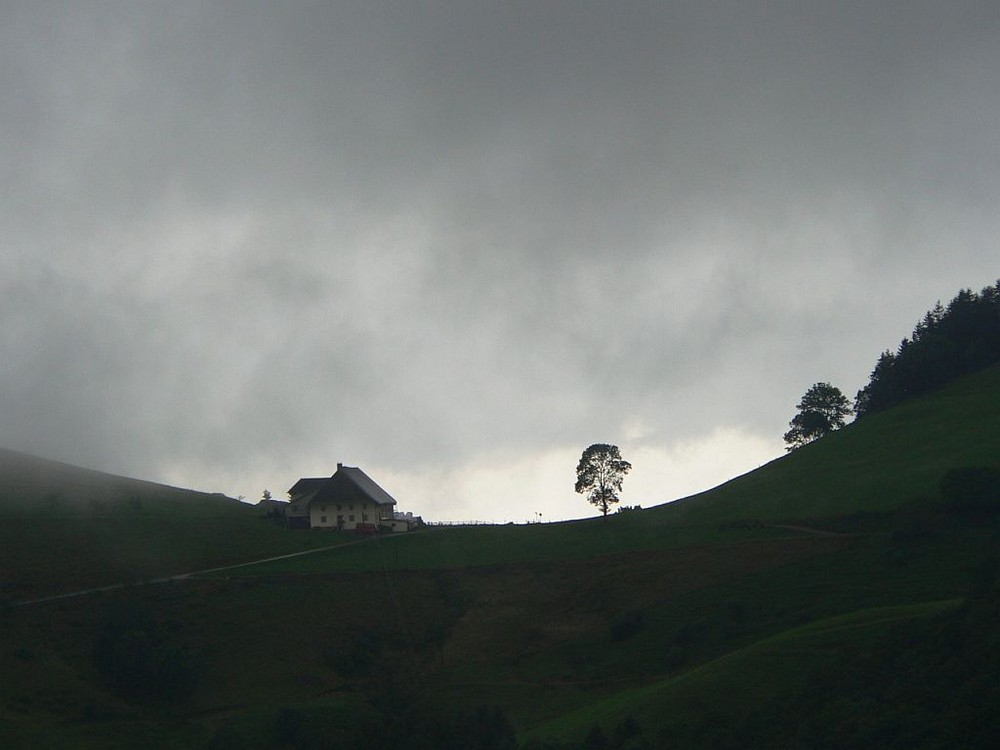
(947, 343)
(822, 410)
(600, 474)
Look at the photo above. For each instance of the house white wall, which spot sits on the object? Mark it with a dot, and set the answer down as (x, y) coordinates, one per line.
(398, 525)
(324, 514)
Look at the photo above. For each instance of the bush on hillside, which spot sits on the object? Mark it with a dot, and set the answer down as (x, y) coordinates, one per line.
(973, 490)
(358, 658)
(138, 660)
(627, 625)
(627, 735)
(227, 738)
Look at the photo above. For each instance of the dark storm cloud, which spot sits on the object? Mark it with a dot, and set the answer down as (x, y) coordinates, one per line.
(244, 235)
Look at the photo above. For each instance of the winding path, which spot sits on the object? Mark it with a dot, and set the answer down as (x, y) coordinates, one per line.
(180, 576)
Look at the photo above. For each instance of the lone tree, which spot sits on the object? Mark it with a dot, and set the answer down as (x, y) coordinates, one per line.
(600, 473)
(822, 410)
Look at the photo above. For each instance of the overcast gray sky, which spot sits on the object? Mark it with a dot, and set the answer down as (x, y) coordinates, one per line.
(457, 242)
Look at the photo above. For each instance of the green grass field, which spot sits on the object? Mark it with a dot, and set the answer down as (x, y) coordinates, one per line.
(64, 529)
(877, 464)
(740, 683)
(464, 546)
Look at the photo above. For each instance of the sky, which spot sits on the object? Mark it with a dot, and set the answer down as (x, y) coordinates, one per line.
(455, 243)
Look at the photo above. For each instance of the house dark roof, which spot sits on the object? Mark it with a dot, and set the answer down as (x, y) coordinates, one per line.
(366, 484)
(306, 486)
(348, 484)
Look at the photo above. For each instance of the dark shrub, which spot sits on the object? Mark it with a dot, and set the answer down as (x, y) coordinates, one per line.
(595, 739)
(136, 659)
(357, 659)
(227, 738)
(627, 625)
(971, 490)
(291, 729)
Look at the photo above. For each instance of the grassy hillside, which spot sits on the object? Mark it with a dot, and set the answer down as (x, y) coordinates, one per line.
(885, 462)
(100, 529)
(37, 485)
(557, 646)
(66, 528)
(742, 683)
(853, 610)
(878, 463)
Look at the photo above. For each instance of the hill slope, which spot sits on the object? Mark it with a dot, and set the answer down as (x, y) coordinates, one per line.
(67, 528)
(30, 484)
(875, 466)
(71, 528)
(878, 463)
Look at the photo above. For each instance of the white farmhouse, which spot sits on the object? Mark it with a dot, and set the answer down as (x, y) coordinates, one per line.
(350, 500)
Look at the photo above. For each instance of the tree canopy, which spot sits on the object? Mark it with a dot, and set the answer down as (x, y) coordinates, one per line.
(822, 410)
(947, 343)
(600, 474)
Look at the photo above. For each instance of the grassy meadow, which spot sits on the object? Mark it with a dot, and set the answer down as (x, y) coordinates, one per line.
(827, 599)
(876, 464)
(66, 529)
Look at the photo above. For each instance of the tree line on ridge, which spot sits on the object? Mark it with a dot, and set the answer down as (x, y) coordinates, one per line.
(946, 344)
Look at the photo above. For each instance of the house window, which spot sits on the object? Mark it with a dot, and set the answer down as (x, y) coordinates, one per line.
(322, 519)
(364, 516)
(350, 518)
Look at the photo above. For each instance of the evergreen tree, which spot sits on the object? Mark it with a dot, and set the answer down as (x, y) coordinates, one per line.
(947, 343)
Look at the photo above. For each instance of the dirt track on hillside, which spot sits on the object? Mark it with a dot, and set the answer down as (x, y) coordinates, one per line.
(177, 576)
